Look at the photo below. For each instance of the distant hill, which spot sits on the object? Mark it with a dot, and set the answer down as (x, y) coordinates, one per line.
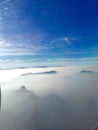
(40, 73)
(23, 89)
(86, 72)
(16, 116)
(51, 113)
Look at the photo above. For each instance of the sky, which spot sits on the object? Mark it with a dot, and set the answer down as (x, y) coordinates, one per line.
(48, 32)
(52, 33)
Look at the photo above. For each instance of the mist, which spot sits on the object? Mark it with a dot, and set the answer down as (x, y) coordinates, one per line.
(50, 98)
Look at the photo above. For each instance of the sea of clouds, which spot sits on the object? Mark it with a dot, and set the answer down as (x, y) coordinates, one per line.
(75, 85)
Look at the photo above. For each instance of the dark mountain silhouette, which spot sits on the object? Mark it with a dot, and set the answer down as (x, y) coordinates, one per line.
(23, 89)
(46, 72)
(86, 72)
(51, 113)
(16, 116)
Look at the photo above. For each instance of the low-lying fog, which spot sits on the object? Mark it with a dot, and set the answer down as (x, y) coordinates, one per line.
(55, 98)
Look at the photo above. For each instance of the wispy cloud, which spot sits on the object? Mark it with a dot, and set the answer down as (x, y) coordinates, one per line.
(18, 48)
(4, 2)
(40, 50)
(8, 48)
(65, 39)
(63, 42)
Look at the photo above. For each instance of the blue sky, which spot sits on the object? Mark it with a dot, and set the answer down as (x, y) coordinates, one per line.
(48, 30)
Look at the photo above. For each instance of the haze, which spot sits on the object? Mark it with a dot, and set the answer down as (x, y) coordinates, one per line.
(71, 91)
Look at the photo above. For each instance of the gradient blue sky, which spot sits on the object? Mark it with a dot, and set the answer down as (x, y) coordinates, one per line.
(38, 31)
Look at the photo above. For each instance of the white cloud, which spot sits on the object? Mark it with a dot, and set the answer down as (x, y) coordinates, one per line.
(4, 2)
(18, 48)
(66, 39)
(34, 47)
(62, 42)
